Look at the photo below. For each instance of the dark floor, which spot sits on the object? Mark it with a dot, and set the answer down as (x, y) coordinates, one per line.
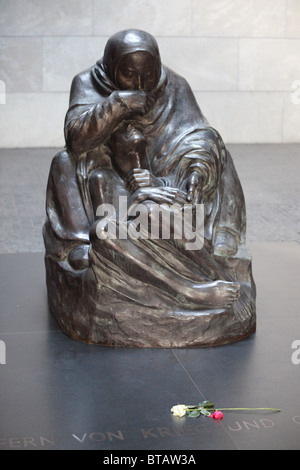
(56, 393)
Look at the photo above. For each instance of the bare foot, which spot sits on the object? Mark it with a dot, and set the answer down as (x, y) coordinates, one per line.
(217, 294)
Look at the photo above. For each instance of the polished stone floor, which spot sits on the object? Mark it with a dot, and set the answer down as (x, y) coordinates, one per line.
(56, 393)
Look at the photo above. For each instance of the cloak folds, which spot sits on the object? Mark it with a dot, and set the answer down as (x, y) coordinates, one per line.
(139, 292)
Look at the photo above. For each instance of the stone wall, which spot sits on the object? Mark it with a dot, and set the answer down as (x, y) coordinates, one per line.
(241, 57)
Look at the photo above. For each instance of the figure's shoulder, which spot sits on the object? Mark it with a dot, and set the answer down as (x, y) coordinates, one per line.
(83, 78)
(174, 77)
(83, 88)
(177, 81)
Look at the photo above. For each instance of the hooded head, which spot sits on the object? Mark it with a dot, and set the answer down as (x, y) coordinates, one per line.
(132, 55)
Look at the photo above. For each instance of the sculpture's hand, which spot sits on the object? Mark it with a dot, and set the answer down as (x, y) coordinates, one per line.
(137, 101)
(161, 195)
(138, 178)
(194, 187)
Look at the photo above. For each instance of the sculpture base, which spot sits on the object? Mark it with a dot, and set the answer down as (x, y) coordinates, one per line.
(86, 313)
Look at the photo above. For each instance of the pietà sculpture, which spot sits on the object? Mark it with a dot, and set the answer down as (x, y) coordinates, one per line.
(145, 229)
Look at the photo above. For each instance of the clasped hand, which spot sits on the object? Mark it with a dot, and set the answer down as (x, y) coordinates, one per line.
(144, 186)
(137, 101)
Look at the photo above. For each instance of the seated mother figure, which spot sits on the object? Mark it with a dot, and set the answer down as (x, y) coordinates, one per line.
(134, 132)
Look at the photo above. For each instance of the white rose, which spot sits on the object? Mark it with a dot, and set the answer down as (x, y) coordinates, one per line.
(179, 410)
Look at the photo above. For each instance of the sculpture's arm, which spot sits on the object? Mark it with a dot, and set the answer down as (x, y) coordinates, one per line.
(92, 118)
(88, 126)
(203, 168)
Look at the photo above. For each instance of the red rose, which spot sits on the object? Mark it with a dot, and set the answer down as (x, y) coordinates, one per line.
(217, 415)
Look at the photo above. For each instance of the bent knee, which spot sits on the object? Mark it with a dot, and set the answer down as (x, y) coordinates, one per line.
(62, 163)
(100, 176)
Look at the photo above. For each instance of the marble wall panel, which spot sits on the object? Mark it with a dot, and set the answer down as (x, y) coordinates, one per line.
(238, 18)
(158, 17)
(268, 64)
(33, 120)
(206, 63)
(42, 17)
(293, 19)
(64, 57)
(21, 64)
(291, 116)
(244, 117)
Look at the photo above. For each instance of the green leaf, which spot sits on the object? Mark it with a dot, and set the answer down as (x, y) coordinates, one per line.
(205, 412)
(206, 404)
(193, 413)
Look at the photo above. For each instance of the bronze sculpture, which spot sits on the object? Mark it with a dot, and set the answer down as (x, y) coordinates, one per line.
(136, 139)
